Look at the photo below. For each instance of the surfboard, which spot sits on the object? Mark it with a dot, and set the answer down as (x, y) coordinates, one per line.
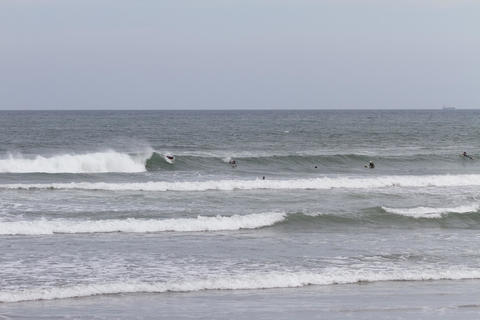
(170, 158)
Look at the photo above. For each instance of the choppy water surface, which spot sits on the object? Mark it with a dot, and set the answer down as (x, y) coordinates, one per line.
(90, 205)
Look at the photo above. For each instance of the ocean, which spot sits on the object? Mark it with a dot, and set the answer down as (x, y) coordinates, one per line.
(97, 223)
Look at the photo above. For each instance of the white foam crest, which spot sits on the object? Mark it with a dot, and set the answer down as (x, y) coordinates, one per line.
(201, 223)
(228, 185)
(241, 282)
(314, 214)
(96, 162)
(431, 212)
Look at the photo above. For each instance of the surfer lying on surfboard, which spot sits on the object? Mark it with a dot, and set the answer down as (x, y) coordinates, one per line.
(465, 155)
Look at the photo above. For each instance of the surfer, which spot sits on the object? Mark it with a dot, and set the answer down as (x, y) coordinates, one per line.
(170, 158)
(370, 165)
(233, 163)
(465, 155)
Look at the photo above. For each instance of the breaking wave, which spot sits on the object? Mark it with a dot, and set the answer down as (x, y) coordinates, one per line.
(189, 161)
(97, 162)
(228, 185)
(269, 280)
(439, 217)
(201, 223)
(429, 212)
(113, 161)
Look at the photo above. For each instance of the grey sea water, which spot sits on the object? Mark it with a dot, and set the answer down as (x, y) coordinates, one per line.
(96, 222)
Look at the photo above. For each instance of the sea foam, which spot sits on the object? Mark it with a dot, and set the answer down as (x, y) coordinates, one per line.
(108, 161)
(430, 212)
(265, 280)
(228, 185)
(201, 223)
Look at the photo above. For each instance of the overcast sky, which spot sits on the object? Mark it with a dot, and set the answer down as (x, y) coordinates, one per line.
(175, 54)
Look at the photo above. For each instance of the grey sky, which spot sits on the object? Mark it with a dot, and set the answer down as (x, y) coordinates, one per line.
(239, 54)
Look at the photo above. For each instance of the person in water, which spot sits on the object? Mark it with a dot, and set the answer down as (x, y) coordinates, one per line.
(465, 155)
(370, 165)
(233, 163)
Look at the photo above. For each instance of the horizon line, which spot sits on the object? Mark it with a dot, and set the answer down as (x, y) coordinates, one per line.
(229, 109)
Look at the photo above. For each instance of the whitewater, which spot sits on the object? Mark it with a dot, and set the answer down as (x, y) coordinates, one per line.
(96, 223)
(96, 162)
(201, 223)
(332, 276)
(229, 185)
(429, 212)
